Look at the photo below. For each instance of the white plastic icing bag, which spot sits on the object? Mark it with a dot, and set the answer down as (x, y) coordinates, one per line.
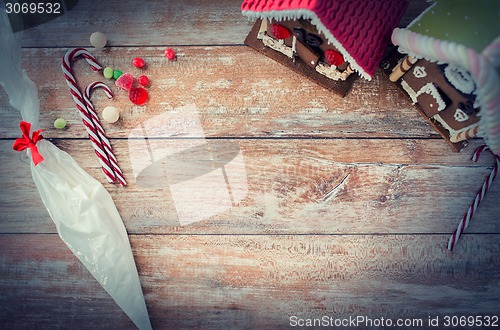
(85, 216)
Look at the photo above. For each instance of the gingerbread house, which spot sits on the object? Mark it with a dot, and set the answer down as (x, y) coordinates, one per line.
(447, 63)
(326, 40)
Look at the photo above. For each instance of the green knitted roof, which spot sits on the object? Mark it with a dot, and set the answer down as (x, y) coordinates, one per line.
(472, 23)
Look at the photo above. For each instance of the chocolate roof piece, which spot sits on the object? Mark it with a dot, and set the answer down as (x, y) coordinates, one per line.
(359, 29)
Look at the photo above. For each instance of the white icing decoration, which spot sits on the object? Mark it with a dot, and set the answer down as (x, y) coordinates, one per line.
(460, 116)
(411, 93)
(488, 87)
(454, 134)
(277, 45)
(329, 71)
(294, 44)
(262, 30)
(419, 72)
(430, 89)
(460, 79)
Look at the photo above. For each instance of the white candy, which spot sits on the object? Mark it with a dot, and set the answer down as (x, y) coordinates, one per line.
(98, 40)
(110, 114)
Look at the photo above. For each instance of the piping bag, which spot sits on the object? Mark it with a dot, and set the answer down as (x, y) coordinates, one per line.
(85, 216)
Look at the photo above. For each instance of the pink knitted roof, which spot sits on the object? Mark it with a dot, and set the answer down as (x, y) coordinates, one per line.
(359, 29)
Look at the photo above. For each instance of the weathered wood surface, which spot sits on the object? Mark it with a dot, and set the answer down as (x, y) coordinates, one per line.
(294, 187)
(158, 22)
(235, 90)
(254, 282)
(349, 201)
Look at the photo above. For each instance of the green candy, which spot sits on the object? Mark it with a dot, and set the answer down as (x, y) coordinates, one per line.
(117, 74)
(60, 123)
(108, 72)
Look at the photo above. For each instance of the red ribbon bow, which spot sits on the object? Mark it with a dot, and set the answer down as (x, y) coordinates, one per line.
(27, 142)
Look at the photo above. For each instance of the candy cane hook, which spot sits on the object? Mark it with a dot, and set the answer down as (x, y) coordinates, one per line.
(100, 130)
(82, 109)
(71, 54)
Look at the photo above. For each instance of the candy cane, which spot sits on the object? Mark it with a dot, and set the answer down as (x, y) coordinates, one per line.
(100, 130)
(464, 223)
(82, 109)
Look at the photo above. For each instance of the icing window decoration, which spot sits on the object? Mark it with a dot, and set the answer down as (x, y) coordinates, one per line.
(460, 116)
(411, 93)
(430, 89)
(460, 79)
(419, 72)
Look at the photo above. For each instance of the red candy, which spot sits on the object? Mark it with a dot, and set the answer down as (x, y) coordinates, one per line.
(139, 62)
(280, 32)
(138, 95)
(333, 57)
(143, 80)
(170, 54)
(125, 81)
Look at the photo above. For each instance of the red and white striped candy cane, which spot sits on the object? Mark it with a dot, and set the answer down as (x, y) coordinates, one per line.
(100, 130)
(82, 109)
(464, 223)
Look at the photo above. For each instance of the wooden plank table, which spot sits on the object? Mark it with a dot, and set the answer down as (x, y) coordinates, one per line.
(348, 202)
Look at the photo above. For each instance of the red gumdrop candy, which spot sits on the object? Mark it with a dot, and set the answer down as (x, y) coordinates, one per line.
(143, 80)
(170, 54)
(280, 32)
(138, 62)
(138, 95)
(333, 57)
(125, 81)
